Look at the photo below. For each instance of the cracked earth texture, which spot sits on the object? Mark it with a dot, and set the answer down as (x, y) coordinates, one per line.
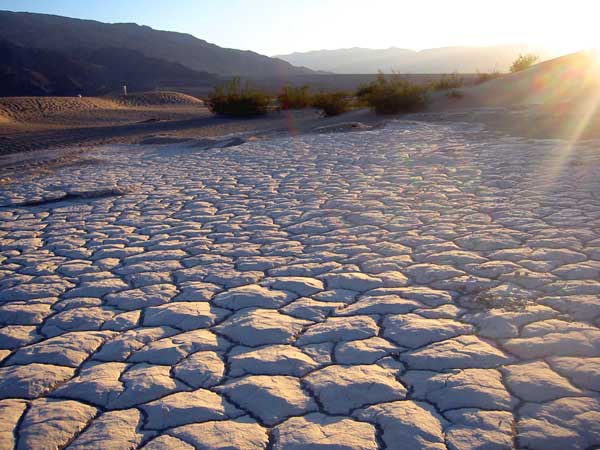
(418, 286)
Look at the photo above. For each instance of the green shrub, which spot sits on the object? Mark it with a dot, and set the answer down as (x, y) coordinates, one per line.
(524, 62)
(447, 82)
(332, 103)
(482, 77)
(393, 95)
(292, 97)
(234, 100)
(362, 92)
(456, 94)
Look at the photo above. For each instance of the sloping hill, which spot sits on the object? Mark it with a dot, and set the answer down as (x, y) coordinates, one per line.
(556, 99)
(40, 72)
(123, 66)
(66, 35)
(569, 79)
(31, 71)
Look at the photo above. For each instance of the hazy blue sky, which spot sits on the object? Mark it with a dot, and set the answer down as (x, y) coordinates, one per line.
(283, 26)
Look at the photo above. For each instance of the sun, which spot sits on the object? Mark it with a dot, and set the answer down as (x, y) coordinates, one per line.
(567, 29)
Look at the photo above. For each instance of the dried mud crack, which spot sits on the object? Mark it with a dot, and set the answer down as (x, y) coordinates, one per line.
(413, 286)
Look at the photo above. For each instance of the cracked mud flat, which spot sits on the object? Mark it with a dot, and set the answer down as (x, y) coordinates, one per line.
(412, 287)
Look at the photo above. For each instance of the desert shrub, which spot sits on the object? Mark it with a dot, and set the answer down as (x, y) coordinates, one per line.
(447, 82)
(332, 103)
(362, 92)
(236, 100)
(456, 94)
(292, 97)
(524, 62)
(482, 77)
(393, 95)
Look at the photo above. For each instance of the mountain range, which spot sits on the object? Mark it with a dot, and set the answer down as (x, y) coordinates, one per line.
(462, 59)
(67, 35)
(44, 54)
(52, 55)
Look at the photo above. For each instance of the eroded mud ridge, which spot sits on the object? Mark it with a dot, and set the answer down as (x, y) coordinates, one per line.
(415, 287)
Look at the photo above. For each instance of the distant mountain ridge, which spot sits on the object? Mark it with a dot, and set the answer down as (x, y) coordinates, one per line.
(462, 59)
(67, 36)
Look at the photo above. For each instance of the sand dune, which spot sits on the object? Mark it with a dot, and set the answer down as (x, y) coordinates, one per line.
(568, 79)
(20, 114)
(156, 99)
(555, 99)
(36, 109)
(27, 109)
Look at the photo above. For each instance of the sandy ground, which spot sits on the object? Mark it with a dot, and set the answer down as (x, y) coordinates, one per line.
(410, 286)
(533, 121)
(46, 133)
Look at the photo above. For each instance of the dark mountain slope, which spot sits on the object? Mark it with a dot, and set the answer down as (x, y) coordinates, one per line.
(123, 66)
(31, 71)
(40, 72)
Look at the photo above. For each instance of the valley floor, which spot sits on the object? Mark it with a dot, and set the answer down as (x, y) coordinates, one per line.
(413, 286)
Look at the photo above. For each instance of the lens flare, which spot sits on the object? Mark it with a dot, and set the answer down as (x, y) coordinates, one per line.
(580, 84)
